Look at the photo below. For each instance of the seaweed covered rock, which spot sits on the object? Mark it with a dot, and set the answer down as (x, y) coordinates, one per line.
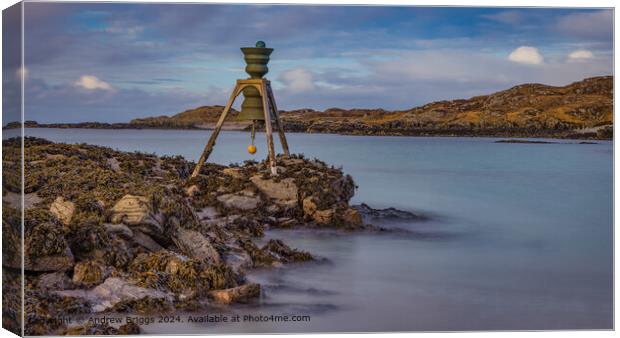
(44, 240)
(282, 191)
(178, 274)
(240, 294)
(195, 245)
(89, 273)
(133, 210)
(63, 210)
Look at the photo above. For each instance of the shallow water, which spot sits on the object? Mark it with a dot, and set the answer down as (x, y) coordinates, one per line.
(520, 236)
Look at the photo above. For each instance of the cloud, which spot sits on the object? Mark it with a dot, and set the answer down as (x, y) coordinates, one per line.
(526, 55)
(297, 80)
(580, 54)
(91, 82)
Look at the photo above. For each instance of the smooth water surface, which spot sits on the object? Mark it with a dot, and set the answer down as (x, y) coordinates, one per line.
(520, 236)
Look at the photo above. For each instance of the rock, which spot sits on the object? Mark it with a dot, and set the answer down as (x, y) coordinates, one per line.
(120, 229)
(62, 209)
(55, 281)
(192, 190)
(324, 217)
(240, 202)
(352, 217)
(114, 164)
(284, 192)
(56, 262)
(146, 241)
(240, 294)
(132, 210)
(309, 206)
(89, 273)
(207, 213)
(195, 245)
(112, 291)
(15, 199)
(286, 254)
(389, 213)
(233, 172)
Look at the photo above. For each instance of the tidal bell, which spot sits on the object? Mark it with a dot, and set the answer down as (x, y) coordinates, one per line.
(256, 59)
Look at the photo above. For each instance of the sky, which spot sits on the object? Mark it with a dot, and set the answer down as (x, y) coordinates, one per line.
(113, 62)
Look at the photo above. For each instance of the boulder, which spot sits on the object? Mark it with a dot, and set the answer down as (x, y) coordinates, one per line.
(89, 273)
(55, 281)
(55, 262)
(132, 210)
(112, 291)
(62, 209)
(240, 294)
(283, 192)
(240, 202)
(193, 244)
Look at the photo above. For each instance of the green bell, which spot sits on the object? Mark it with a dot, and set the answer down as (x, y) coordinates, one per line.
(256, 59)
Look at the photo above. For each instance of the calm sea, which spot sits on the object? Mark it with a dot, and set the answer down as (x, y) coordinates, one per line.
(519, 236)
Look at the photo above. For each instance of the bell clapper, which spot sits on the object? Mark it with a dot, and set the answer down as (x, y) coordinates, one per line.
(252, 147)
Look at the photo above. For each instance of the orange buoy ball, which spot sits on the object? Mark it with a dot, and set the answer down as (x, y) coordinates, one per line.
(251, 149)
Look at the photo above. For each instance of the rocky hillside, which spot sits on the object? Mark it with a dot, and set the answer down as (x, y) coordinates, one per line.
(116, 232)
(525, 110)
(581, 109)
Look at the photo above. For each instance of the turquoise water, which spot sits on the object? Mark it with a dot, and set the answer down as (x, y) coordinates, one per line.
(520, 236)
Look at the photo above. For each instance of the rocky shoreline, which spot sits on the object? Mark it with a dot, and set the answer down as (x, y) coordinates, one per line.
(116, 232)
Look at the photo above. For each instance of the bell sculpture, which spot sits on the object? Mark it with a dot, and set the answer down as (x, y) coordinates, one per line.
(259, 104)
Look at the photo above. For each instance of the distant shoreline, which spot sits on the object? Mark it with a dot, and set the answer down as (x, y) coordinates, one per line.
(519, 133)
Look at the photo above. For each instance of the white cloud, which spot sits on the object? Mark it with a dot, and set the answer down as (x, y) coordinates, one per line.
(298, 80)
(527, 55)
(91, 82)
(581, 54)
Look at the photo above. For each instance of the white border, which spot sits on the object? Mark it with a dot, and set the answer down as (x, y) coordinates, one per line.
(469, 3)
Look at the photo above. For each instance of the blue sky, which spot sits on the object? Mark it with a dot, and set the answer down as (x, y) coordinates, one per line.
(114, 62)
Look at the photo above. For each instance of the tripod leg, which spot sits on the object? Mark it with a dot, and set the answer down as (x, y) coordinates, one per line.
(279, 125)
(268, 131)
(209, 147)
